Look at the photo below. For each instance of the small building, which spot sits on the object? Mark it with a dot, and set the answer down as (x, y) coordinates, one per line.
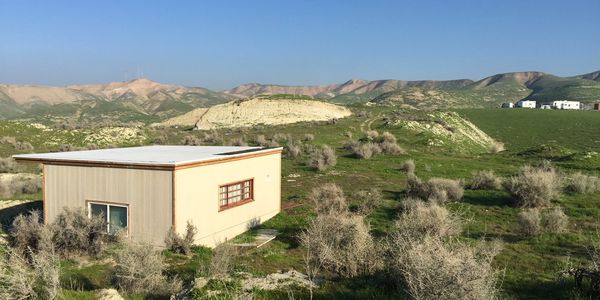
(526, 104)
(565, 104)
(546, 106)
(508, 105)
(596, 106)
(145, 191)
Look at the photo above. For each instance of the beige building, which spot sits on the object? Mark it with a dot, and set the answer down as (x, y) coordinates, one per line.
(145, 191)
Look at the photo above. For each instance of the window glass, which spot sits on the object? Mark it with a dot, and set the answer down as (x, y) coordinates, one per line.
(117, 219)
(233, 194)
(99, 210)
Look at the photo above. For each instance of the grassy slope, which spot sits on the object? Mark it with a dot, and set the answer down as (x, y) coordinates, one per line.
(531, 264)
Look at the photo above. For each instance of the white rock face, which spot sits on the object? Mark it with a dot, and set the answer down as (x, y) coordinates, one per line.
(246, 113)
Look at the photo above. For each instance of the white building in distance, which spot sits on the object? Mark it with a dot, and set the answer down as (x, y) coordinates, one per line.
(526, 104)
(564, 104)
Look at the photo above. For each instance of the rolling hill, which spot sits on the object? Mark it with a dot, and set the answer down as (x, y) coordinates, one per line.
(121, 101)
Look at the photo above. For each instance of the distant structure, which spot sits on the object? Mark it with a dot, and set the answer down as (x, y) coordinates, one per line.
(526, 104)
(508, 105)
(565, 104)
(546, 106)
(596, 106)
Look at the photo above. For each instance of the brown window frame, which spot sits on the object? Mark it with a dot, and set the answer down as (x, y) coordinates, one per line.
(229, 205)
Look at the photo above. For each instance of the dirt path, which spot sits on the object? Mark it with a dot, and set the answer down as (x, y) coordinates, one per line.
(366, 125)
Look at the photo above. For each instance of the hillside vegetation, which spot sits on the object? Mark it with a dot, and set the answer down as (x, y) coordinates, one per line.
(477, 193)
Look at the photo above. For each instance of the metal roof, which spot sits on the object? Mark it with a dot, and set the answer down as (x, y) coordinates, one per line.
(147, 155)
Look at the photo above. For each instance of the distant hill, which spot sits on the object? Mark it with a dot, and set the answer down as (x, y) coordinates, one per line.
(122, 101)
(355, 90)
(493, 90)
(257, 111)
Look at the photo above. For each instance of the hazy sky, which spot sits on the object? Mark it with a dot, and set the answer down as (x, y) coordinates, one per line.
(221, 44)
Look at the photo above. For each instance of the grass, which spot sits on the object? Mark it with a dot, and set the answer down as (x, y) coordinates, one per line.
(531, 264)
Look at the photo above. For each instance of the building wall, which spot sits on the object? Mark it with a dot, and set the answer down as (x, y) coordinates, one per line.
(197, 197)
(147, 192)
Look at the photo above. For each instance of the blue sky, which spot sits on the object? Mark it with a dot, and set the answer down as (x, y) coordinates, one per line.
(221, 44)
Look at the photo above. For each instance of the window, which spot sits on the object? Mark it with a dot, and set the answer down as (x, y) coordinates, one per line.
(235, 194)
(117, 216)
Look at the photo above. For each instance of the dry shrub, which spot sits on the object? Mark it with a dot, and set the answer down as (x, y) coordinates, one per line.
(408, 166)
(36, 276)
(213, 137)
(28, 233)
(430, 268)
(391, 148)
(367, 150)
(427, 219)
(485, 180)
(139, 269)
(534, 187)
(329, 199)
(181, 244)
(342, 244)
(368, 201)
(222, 261)
(293, 150)
(190, 140)
(387, 137)
(308, 137)
(348, 134)
(582, 184)
(323, 159)
(372, 135)
(496, 147)
(238, 141)
(20, 184)
(24, 147)
(281, 137)
(73, 232)
(260, 140)
(530, 221)
(554, 220)
(440, 190)
(8, 165)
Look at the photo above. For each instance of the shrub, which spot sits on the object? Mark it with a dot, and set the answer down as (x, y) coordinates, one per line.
(293, 150)
(308, 137)
(20, 184)
(430, 268)
(261, 140)
(342, 244)
(582, 184)
(75, 233)
(485, 180)
(24, 147)
(372, 135)
(27, 233)
(369, 200)
(554, 220)
(238, 141)
(390, 148)
(33, 277)
(427, 219)
(181, 244)
(348, 134)
(221, 263)
(530, 221)
(213, 137)
(351, 145)
(281, 137)
(408, 166)
(387, 137)
(534, 187)
(496, 147)
(323, 159)
(139, 269)
(366, 151)
(435, 189)
(8, 165)
(190, 140)
(329, 199)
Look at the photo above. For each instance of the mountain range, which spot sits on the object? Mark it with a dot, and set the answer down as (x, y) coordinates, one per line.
(148, 101)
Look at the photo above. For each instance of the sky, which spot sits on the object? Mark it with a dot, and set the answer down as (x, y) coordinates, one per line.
(222, 44)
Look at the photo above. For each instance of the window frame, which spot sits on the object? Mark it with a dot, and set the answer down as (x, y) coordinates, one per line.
(108, 205)
(241, 202)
